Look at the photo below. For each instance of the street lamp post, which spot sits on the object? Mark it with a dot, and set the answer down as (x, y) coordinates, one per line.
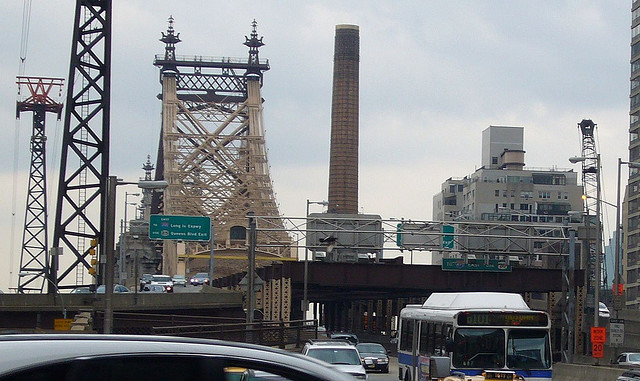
(64, 310)
(109, 237)
(305, 300)
(617, 273)
(123, 232)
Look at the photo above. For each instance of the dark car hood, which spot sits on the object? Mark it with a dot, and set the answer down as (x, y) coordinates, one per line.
(374, 355)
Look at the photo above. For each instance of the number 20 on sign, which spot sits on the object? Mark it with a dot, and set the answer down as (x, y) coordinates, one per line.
(597, 350)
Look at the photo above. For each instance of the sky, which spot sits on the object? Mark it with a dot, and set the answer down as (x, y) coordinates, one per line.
(433, 75)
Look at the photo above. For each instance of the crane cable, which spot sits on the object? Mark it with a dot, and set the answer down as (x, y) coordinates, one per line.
(24, 41)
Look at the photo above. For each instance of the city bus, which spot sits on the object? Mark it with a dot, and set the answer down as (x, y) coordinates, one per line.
(475, 332)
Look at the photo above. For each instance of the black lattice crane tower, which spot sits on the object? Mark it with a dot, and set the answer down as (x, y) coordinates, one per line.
(34, 259)
(591, 178)
(84, 160)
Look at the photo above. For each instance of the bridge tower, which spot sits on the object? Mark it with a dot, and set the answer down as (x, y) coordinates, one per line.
(34, 258)
(213, 152)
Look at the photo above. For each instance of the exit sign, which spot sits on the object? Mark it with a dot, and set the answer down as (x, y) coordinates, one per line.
(186, 228)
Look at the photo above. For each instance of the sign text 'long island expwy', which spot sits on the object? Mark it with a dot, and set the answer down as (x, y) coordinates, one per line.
(187, 228)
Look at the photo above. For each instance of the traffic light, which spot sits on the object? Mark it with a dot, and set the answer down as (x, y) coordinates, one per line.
(92, 248)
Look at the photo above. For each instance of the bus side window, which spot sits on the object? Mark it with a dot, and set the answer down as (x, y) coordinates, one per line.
(432, 337)
(406, 329)
(424, 337)
(441, 340)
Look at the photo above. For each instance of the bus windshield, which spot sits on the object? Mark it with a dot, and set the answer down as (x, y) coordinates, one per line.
(479, 348)
(528, 349)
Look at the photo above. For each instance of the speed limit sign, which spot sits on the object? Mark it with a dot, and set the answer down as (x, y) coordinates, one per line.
(597, 350)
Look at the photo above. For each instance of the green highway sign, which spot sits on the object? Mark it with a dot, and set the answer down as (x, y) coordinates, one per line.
(186, 228)
(447, 236)
(458, 264)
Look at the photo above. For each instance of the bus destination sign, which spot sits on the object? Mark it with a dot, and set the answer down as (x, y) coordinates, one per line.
(528, 319)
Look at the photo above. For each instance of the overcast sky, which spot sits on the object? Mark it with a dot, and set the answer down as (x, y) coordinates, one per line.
(433, 75)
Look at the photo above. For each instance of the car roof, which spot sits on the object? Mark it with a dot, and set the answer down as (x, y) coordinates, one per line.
(28, 350)
(329, 344)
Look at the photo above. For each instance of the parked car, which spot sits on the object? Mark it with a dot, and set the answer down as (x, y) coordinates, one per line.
(179, 280)
(144, 280)
(603, 310)
(374, 356)
(117, 288)
(163, 280)
(199, 279)
(154, 288)
(81, 357)
(628, 359)
(350, 337)
(344, 356)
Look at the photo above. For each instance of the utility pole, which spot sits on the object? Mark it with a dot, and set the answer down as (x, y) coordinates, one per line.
(108, 247)
(34, 258)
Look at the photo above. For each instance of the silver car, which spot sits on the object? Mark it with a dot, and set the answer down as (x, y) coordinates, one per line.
(628, 359)
(179, 280)
(87, 357)
(341, 354)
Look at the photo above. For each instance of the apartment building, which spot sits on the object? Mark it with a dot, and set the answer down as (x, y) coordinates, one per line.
(504, 190)
(631, 206)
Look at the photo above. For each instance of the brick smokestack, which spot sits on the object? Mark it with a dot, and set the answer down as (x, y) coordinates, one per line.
(343, 161)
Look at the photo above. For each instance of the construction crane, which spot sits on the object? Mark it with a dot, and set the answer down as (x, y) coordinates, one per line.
(591, 181)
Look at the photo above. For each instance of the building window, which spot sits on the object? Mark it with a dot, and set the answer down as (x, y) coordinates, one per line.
(494, 160)
(524, 207)
(526, 194)
(635, 65)
(238, 233)
(460, 187)
(542, 194)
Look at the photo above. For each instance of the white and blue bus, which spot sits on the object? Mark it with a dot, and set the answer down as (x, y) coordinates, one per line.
(478, 332)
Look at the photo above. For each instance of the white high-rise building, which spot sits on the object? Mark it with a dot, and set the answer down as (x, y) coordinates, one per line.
(504, 190)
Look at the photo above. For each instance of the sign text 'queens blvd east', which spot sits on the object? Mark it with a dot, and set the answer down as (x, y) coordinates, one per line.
(188, 228)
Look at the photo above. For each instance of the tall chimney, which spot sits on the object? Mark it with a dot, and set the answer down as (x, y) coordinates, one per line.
(343, 161)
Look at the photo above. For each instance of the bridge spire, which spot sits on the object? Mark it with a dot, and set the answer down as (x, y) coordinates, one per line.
(254, 43)
(170, 39)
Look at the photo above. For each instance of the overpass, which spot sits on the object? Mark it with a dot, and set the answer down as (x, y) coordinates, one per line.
(336, 290)
(343, 293)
